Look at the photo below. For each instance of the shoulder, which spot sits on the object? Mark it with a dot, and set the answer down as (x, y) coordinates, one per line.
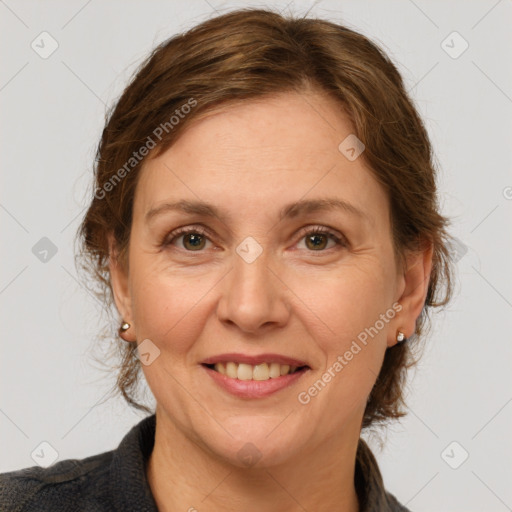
(58, 487)
(113, 480)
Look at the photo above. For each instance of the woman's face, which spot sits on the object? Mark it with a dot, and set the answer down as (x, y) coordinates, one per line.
(254, 281)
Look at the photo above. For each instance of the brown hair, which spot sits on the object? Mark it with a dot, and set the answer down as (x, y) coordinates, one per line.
(249, 53)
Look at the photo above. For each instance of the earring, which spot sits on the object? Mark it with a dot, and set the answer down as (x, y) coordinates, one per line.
(124, 327)
(400, 337)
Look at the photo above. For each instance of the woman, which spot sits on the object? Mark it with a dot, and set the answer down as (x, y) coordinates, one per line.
(265, 220)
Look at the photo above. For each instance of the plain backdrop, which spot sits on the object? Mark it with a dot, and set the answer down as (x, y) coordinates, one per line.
(53, 109)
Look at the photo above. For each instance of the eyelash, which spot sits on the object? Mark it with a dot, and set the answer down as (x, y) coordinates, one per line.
(199, 230)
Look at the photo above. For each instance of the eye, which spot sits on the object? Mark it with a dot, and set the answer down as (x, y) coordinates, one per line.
(194, 238)
(316, 239)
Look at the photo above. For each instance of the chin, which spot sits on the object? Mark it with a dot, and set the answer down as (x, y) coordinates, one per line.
(257, 442)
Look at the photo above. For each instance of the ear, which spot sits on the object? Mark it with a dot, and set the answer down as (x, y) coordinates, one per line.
(414, 289)
(121, 288)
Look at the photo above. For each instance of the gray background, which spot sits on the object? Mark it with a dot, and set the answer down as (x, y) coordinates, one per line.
(53, 112)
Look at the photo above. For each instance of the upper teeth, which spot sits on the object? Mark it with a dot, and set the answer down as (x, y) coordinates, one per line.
(263, 371)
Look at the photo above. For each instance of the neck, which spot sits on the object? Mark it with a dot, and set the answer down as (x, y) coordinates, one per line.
(184, 476)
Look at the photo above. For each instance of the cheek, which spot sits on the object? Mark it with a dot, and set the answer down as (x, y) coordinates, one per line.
(168, 308)
(356, 306)
(349, 301)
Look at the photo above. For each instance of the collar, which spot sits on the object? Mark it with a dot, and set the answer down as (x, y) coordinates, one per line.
(129, 486)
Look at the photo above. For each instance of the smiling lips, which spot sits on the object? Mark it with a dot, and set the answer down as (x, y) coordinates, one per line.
(264, 367)
(252, 388)
(252, 377)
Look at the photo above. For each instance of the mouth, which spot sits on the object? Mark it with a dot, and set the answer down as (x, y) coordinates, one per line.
(257, 372)
(253, 377)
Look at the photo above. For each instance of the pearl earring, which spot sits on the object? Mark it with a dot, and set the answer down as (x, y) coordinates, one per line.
(124, 327)
(400, 337)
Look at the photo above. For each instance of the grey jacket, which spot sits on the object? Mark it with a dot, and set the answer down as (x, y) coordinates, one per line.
(115, 481)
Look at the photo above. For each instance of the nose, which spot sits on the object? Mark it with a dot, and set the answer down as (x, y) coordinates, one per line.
(253, 297)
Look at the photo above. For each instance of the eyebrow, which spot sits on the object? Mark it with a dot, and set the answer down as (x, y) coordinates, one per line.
(301, 207)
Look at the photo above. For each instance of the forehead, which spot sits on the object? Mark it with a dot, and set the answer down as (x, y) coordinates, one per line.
(260, 153)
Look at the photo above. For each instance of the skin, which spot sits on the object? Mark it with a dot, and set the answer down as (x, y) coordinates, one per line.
(250, 160)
